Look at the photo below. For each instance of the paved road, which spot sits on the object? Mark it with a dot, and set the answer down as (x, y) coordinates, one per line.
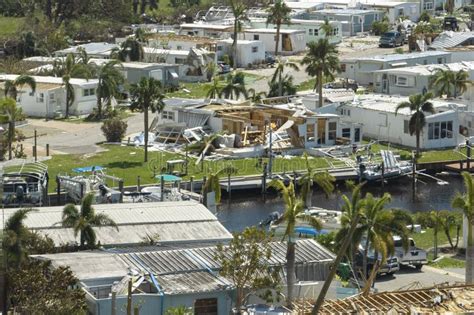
(73, 138)
(410, 277)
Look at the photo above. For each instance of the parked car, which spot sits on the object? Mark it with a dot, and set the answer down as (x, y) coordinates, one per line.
(450, 23)
(269, 58)
(223, 67)
(391, 39)
(414, 256)
(391, 265)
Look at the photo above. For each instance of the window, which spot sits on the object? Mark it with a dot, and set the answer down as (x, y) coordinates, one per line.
(316, 32)
(40, 98)
(440, 130)
(400, 12)
(346, 133)
(402, 81)
(440, 61)
(220, 48)
(332, 128)
(167, 115)
(88, 92)
(428, 6)
(205, 307)
(357, 135)
(310, 132)
(179, 47)
(335, 31)
(343, 67)
(406, 126)
(256, 37)
(255, 49)
(180, 61)
(310, 32)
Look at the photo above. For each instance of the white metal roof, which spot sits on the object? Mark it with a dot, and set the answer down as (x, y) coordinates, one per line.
(145, 65)
(451, 39)
(401, 57)
(204, 26)
(52, 80)
(151, 50)
(100, 48)
(430, 69)
(272, 31)
(184, 221)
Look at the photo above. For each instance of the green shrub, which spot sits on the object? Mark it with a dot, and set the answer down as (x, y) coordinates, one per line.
(114, 129)
(380, 27)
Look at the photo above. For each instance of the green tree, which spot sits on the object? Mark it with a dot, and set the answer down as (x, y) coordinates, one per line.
(114, 129)
(130, 50)
(321, 61)
(212, 184)
(327, 28)
(11, 86)
(465, 203)
(239, 11)
(38, 288)
(442, 82)
(278, 14)
(281, 88)
(380, 27)
(234, 87)
(71, 68)
(15, 238)
(110, 80)
(451, 220)
(147, 95)
(322, 179)
(179, 310)
(84, 220)
(10, 112)
(418, 105)
(245, 261)
(214, 88)
(424, 17)
(278, 79)
(294, 211)
(460, 83)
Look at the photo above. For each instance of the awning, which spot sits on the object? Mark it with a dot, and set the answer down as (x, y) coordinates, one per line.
(168, 178)
(174, 75)
(399, 64)
(86, 169)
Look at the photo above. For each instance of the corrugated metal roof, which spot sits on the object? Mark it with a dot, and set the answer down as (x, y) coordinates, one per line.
(451, 39)
(192, 282)
(186, 221)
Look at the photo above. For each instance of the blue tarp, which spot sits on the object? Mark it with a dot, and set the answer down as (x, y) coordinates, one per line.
(86, 169)
(309, 231)
(168, 178)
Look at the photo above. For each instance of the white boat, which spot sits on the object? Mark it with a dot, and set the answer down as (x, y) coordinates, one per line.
(392, 167)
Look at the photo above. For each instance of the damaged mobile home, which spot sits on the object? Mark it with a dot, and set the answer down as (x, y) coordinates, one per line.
(248, 129)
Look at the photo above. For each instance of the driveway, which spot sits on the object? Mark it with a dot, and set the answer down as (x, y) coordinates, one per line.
(411, 278)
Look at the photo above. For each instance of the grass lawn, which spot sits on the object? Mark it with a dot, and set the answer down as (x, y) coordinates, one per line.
(425, 240)
(127, 162)
(306, 85)
(449, 262)
(9, 26)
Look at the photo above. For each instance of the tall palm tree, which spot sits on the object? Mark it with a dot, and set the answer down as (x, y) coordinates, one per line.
(15, 236)
(321, 61)
(327, 28)
(11, 86)
(214, 88)
(71, 68)
(419, 105)
(110, 79)
(465, 202)
(84, 220)
(235, 86)
(239, 10)
(322, 179)
(147, 95)
(442, 82)
(9, 111)
(294, 211)
(278, 78)
(130, 50)
(461, 81)
(282, 88)
(436, 221)
(278, 14)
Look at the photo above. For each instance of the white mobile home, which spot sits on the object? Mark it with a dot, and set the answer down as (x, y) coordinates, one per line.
(206, 30)
(362, 70)
(291, 41)
(377, 115)
(413, 80)
(94, 50)
(49, 98)
(395, 10)
(249, 52)
(312, 28)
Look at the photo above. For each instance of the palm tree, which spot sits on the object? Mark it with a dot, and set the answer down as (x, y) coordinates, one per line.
(214, 89)
(9, 111)
(70, 68)
(212, 184)
(147, 95)
(327, 28)
(11, 86)
(465, 202)
(239, 10)
(294, 210)
(436, 220)
(282, 88)
(418, 105)
(322, 179)
(322, 61)
(235, 86)
(130, 50)
(278, 14)
(254, 96)
(84, 221)
(110, 79)
(15, 236)
(443, 82)
(461, 80)
(278, 78)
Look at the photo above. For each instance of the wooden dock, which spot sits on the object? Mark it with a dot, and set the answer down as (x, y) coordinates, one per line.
(460, 167)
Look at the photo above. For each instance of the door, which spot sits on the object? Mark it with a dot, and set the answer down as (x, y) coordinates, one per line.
(321, 131)
(385, 84)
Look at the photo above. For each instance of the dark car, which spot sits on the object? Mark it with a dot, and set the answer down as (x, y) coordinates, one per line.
(269, 58)
(391, 39)
(450, 23)
(390, 266)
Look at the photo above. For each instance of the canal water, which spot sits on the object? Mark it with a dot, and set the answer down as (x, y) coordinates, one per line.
(247, 208)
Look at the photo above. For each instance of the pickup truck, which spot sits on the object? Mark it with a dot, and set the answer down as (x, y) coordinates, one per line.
(414, 256)
(390, 266)
(392, 39)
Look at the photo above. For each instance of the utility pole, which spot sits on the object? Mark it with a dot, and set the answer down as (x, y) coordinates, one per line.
(333, 268)
(36, 147)
(413, 183)
(468, 153)
(270, 161)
